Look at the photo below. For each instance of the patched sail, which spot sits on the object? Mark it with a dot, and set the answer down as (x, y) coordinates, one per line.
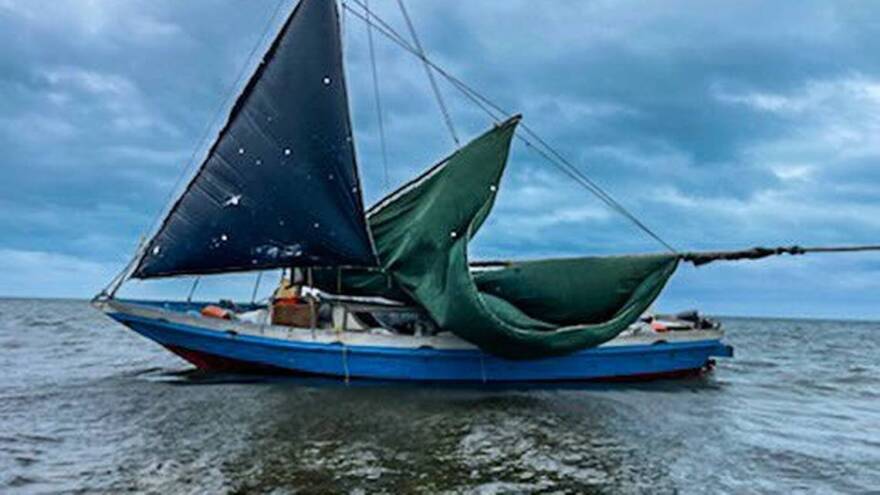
(279, 187)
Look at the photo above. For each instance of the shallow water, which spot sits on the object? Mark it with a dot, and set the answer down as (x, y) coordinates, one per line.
(87, 406)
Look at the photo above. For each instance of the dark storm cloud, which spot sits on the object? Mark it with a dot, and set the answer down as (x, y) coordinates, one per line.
(720, 124)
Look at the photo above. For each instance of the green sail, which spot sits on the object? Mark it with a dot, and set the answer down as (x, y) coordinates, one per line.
(524, 310)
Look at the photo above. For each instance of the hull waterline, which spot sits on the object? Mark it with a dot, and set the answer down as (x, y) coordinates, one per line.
(221, 345)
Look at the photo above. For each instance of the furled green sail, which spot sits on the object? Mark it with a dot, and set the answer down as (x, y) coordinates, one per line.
(571, 291)
(524, 310)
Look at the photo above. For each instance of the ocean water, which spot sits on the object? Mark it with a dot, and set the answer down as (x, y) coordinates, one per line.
(87, 406)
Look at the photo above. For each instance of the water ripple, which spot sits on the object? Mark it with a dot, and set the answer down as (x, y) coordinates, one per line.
(86, 406)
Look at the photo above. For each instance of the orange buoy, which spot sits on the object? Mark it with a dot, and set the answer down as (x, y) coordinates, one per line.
(658, 327)
(216, 312)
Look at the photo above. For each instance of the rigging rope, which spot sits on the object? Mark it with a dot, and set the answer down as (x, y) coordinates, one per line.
(421, 54)
(192, 290)
(543, 148)
(256, 287)
(378, 99)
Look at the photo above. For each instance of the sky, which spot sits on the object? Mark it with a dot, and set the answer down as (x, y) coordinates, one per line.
(722, 125)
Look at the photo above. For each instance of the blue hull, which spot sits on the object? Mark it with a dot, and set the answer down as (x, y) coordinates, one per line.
(213, 349)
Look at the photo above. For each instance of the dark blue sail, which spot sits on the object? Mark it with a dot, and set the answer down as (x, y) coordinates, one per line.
(279, 187)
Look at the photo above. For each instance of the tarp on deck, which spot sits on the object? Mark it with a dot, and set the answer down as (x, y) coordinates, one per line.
(525, 310)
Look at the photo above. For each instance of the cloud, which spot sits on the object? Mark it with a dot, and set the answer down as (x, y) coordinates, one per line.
(126, 107)
(802, 286)
(95, 19)
(90, 81)
(719, 125)
(850, 90)
(50, 274)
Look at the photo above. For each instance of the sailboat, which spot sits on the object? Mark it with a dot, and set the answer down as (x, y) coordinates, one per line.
(389, 292)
